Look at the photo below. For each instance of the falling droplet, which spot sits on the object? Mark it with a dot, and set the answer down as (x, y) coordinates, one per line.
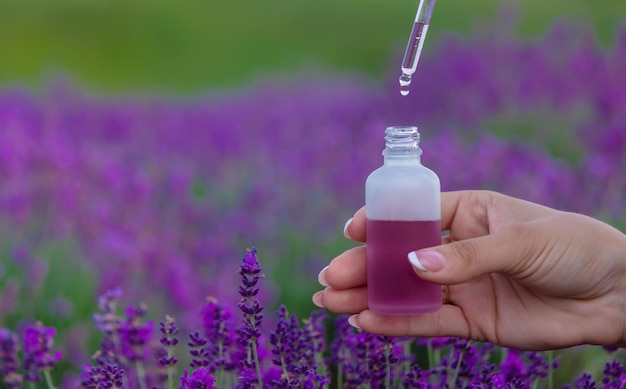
(405, 82)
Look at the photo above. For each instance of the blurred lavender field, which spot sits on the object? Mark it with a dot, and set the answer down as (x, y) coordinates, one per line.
(159, 196)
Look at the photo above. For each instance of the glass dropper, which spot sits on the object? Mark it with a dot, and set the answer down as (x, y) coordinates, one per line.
(415, 44)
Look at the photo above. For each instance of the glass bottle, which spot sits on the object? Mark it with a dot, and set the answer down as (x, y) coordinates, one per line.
(403, 212)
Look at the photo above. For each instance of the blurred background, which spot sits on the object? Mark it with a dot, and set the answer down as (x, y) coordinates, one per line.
(158, 45)
(145, 144)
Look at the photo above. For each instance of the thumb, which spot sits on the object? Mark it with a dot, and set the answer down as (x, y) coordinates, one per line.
(461, 261)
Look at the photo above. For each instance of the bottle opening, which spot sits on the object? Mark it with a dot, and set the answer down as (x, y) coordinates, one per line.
(402, 138)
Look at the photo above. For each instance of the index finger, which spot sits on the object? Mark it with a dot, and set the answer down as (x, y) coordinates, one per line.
(475, 213)
(463, 213)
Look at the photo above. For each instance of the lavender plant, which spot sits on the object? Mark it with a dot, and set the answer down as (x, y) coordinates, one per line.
(299, 357)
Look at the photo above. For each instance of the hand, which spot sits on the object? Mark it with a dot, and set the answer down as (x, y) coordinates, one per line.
(517, 274)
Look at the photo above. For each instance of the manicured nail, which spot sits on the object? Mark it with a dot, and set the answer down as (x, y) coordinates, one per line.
(317, 299)
(426, 260)
(354, 320)
(345, 228)
(321, 278)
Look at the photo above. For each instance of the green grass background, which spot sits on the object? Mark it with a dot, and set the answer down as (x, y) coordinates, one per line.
(194, 45)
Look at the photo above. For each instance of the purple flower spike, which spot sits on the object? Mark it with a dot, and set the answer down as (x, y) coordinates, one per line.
(513, 365)
(200, 379)
(250, 275)
(134, 334)
(106, 319)
(315, 331)
(38, 355)
(168, 340)
(199, 354)
(413, 379)
(285, 342)
(9, 363)
(218, 328)
(101, 376)
(613, 372)
(251, 308)
(585, 381)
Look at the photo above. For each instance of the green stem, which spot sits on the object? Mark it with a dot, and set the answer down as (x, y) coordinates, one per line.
(387, 366)
(319, 361)
(219, 378)
(503, 353)
(457, 368)
(141, 375)
(431, 356)
(258, 365)
(550, 361)
(406, 366)
(220, 373)
(283, 364)
(46, 374)
(340, 375)
(170, 377)
(170, 370)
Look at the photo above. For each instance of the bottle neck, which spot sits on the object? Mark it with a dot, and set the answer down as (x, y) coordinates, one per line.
(402, 146)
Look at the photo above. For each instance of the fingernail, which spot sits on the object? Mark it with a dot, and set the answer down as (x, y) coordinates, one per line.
(345, 228)
(353, 320)
(426, 260)
(321, 278)
(317, 299)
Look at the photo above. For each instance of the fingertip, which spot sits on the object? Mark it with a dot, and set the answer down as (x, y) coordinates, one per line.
(346, 228)
(354, 321)
(415, 262)
(318, 299)
(426, 260)
(321, 277)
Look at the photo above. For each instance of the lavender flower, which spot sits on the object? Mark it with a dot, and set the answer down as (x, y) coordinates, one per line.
(251, 308)
(9, 363)
(340, 352)
(38, 354)
(108, 322)
(613, 374)
(315, 333)
(287, 344)
(513, 365)
(135, 336)
(199, 379)
(585, 381)
(218, 327)
(199, 354)
(106, 319)
(102, 376)
(169, 341)
(414, 379)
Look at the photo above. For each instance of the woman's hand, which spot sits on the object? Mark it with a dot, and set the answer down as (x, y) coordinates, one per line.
(516, 274)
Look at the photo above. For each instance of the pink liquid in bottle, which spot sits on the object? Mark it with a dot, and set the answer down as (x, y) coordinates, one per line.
(393, 286)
